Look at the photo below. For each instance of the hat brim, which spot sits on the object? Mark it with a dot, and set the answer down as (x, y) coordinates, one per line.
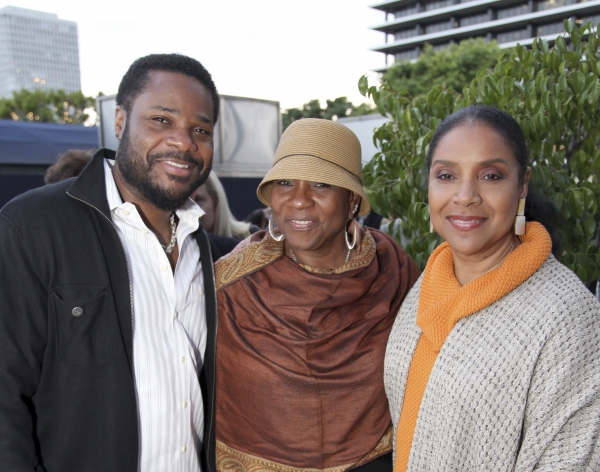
(313, 169)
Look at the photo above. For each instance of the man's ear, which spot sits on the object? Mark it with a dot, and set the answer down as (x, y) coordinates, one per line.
(120, 119)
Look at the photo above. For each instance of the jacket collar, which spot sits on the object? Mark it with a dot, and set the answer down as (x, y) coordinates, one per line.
(90, 186)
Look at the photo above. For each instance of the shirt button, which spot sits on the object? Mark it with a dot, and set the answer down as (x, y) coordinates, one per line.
(182, 359)
(164, 267)
(183, 448)
(175, 314)
(184, 404)
(125, 212)
(201, 291)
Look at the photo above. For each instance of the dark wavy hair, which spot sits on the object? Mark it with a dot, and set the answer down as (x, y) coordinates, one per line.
(537, 206)
(135, 79)
(68, 164)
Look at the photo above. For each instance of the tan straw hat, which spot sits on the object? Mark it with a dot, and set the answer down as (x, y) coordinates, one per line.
(318, 151)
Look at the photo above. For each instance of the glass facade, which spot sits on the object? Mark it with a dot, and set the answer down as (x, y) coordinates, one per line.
(406, 11)
(437, 4)
(511, 36)
(512, 11)
(436, 27)
(552, 28)
(408, 33)
(37, 51)
(475, 19)
(549, 4)
(406, 55)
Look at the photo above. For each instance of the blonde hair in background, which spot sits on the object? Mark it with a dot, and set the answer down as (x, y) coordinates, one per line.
(225, 223)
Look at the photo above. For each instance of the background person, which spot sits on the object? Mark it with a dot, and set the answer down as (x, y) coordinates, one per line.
(494, 359)
(304, 317)
(217, 218)
(68, 164)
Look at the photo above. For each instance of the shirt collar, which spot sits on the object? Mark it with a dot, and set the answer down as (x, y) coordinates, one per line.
(189, 213)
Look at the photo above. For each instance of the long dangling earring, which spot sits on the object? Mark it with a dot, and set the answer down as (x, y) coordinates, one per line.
(281, 237)
(431, 230)
(520, 218)
(350, 245)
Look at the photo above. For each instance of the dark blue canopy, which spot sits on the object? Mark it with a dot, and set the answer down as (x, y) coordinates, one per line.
(40, 143)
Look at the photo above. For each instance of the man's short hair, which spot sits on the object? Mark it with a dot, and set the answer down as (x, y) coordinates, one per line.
(135, 79)
(68, 164)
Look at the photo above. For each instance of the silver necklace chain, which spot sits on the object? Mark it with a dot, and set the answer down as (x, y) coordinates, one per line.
(169, 249)
(296, 260)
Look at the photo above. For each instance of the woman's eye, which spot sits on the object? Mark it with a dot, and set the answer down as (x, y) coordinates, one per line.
(160, 119)
(443, 176)
(492, 177)
(282, 182)
(321, 185)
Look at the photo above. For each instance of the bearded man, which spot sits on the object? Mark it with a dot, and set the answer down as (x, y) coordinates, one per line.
(108, 317)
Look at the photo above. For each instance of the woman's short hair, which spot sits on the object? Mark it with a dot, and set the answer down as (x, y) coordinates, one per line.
(537, 206)
(225, 223)
(68, 164)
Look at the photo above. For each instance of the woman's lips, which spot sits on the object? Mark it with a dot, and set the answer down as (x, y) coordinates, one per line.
(466, 223)
(300, 225)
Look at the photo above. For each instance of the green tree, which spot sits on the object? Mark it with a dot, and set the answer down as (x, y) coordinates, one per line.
(51, 106)
(455, 66)
(336, 108)
(552, 93)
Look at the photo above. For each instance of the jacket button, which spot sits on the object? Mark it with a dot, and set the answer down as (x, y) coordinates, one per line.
(77, 311)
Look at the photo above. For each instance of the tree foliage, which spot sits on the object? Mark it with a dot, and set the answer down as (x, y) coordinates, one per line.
(455, 66)
(552, 93)
(336, 108)
(50, 106)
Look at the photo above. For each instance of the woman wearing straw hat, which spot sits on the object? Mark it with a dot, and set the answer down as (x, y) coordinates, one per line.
(304, 315)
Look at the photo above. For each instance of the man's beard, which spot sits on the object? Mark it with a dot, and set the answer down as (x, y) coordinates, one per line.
(136, 171)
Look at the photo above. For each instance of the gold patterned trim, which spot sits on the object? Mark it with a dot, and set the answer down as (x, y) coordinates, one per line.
(246, 258)
(232, 460)
(366, 256)
(249, 257)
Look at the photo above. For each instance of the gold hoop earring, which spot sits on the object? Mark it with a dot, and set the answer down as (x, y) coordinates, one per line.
(520, 218)
(281, 237)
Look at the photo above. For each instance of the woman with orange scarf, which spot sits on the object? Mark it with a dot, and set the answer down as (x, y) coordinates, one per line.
(493, 362)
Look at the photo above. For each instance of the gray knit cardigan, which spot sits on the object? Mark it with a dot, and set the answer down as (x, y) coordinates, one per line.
(515, 387)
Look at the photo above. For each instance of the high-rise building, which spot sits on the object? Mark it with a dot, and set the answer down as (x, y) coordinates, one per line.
(37, 51)
(410, 24)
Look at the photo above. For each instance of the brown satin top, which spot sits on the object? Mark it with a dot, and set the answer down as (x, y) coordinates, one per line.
(300, 354)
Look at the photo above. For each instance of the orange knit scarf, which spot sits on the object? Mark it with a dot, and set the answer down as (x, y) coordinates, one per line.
(443, 301)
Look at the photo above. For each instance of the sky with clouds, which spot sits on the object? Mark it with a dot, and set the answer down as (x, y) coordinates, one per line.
(285, 50)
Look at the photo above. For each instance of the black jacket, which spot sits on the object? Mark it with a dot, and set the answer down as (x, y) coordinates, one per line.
(67, 396)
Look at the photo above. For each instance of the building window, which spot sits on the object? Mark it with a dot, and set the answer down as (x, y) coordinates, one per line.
(513, 11)
(549, 4)
(438, 4)
(434, 28)
(511, 36)
(438, 47)
(475, 19)
(595, 19)
(406, 11)
(552, 28)
(406, 55)
(409, 33)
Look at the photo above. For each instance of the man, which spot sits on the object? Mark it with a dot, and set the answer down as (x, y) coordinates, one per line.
(108, 317)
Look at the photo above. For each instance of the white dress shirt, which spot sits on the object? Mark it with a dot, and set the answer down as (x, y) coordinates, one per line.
(169, 335)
